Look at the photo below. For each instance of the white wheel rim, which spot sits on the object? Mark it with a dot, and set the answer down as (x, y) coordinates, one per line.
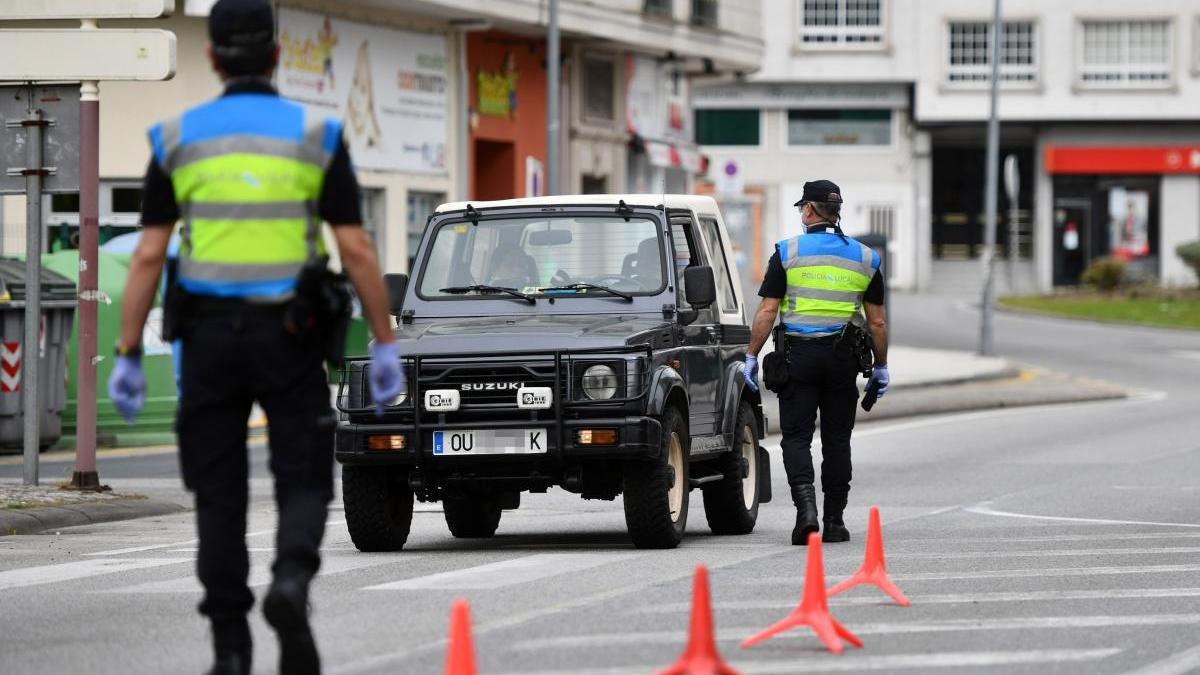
(750, 482)
(675, 494)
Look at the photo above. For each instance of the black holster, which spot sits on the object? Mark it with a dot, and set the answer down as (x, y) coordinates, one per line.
(775, 365)
(320, 310)
(174, 304)
(861, 345)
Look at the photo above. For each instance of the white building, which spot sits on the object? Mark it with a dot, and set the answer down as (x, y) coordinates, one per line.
(435, 92)
(890, 100)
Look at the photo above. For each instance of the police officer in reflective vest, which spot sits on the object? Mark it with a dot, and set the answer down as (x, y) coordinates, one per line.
(251, 176)
(819, 283)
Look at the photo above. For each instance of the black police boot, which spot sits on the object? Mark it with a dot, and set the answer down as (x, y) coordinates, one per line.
(835, 529)
(232, 646)
(805, 499)
(286, 609)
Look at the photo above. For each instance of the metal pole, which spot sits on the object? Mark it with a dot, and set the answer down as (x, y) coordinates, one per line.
(552, 121)
(85, 476)
(30, 343)
(1012, 183)
(987, 338)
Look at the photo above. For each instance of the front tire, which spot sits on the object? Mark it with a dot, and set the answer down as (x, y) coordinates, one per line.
(656, 492)
(379, 507)
(472, 516)
(731, 505)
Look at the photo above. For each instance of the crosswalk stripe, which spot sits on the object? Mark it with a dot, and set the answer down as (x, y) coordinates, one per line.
(260, 575)
(1053, 553)
(947, 599)
(1186, 661)
(856, 662)
(156, 547)
(1002, 574)
(505, 573)
(942, 626)
(82, 569)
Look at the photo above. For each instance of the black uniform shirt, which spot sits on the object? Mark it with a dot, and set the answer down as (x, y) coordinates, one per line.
(338, 204)
(774, 283)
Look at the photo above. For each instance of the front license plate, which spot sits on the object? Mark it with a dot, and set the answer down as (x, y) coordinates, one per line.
(490, 442)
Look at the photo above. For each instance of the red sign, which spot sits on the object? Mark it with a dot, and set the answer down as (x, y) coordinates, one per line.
(10, 367)
(1123, 159)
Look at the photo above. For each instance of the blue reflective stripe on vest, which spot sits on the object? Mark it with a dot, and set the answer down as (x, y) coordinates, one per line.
(239, 289)
(807, 330)
(255, 114)
(783, 251)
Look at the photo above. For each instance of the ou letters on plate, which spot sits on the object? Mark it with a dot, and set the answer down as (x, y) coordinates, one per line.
(490, 442)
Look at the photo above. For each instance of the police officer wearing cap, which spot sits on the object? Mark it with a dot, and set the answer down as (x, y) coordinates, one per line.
(252, 177)
(818, 283)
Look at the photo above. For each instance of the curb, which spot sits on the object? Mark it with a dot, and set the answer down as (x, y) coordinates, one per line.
(1037, 314)
(1007, 373)
(42, 518)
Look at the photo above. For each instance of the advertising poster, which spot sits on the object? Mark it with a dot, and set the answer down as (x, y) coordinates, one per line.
(1129, 223)
(389, 87)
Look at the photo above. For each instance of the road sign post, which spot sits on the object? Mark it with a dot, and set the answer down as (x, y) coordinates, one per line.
(30, 365)
(987, 337)
(1012, 188)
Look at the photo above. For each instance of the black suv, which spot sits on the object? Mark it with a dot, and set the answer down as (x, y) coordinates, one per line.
(594, 343)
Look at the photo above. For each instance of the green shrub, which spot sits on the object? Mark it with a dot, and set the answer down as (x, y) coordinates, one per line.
(1105, 274)
(1190, 252)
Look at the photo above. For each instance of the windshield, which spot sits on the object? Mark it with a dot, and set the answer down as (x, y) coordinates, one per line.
(532, 255)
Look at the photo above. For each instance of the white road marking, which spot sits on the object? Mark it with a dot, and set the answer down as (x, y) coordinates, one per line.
(853, 661)
(174, 544)
(1193, 354)
(1005, 574)
(1107, 536)
(944, 599)
(945, 626)
(1187, 661)
(260, 575)
(1051, 553)
(82, 569)
(985, 510)
(505, 573)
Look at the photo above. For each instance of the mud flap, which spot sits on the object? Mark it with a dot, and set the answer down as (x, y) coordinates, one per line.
(764, 476)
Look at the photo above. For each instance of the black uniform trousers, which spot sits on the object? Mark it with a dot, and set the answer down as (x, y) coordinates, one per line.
(823, 377)
(232, 358)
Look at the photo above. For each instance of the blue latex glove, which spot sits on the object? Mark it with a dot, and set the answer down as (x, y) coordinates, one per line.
(386, 375)
(880, 374)
(751, 372)
(127, 387)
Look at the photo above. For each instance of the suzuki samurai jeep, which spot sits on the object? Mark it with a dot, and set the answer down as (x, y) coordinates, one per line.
(593, 343)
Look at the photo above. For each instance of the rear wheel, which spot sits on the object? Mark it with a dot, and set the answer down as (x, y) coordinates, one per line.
(472, 516)
(379, 507)
(731, 505)
(656, 492)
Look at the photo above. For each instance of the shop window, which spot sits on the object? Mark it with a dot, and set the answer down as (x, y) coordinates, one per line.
(969, 55)
(421, 205)
(727, 127)
(841, 24)
(840, 127)
(594, 185)
(371, 204)
(127, 200)
(599, 90)
(704, 13)
(1121, 54)
(658, 8)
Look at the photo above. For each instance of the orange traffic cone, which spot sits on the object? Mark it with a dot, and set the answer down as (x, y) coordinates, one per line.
(813, 610)
(460, 653)
(873, 570)
(700, 657)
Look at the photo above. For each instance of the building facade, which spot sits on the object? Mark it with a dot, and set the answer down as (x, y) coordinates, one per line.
(446, 100)
(890, 100)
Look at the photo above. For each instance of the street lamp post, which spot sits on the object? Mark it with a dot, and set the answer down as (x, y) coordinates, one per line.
(987, 338)
(552, 113)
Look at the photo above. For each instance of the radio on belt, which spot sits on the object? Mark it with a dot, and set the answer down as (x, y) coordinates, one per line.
(442, 400)
(535, 398)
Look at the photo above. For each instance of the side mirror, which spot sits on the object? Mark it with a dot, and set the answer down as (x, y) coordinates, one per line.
(397, 285)
(699, 286)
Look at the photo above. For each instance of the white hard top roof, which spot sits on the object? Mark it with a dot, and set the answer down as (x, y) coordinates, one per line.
(693, 202)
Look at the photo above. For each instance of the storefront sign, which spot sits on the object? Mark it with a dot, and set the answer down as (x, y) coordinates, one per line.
(1123, 160)
(497, 91)
(800, 95)
(388, 85)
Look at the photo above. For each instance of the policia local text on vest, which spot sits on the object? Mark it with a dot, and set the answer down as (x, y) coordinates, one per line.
(252, 177)
(819, 285)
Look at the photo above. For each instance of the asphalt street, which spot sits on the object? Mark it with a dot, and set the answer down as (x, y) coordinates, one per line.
(1058, 538)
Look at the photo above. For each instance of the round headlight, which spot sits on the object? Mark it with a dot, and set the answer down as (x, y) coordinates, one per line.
(599, 382)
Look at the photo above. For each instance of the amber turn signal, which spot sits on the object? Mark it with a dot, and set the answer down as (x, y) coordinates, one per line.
(389, 442)
(597, 436)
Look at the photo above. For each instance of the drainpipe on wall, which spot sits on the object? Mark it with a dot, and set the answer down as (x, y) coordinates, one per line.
(462, 28)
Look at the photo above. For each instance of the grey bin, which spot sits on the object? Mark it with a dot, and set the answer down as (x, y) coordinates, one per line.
(59, 299)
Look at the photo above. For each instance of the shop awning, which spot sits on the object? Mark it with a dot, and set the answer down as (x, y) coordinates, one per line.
(1122, 159)
(670, 155)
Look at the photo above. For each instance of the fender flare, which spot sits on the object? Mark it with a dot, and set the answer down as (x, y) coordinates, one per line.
(663, 383)
(735, 391)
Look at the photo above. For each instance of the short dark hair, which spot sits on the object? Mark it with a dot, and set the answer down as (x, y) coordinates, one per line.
(243, 62)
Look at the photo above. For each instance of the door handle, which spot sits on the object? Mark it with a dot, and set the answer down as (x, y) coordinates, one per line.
(713, 333)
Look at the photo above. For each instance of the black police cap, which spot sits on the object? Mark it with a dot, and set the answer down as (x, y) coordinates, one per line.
(825, 191)
(241, 23)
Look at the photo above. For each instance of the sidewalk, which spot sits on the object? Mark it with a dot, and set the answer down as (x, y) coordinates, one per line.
(31, 509)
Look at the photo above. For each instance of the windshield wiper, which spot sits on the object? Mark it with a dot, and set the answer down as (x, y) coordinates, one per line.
(590, 287)
(484, 288)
